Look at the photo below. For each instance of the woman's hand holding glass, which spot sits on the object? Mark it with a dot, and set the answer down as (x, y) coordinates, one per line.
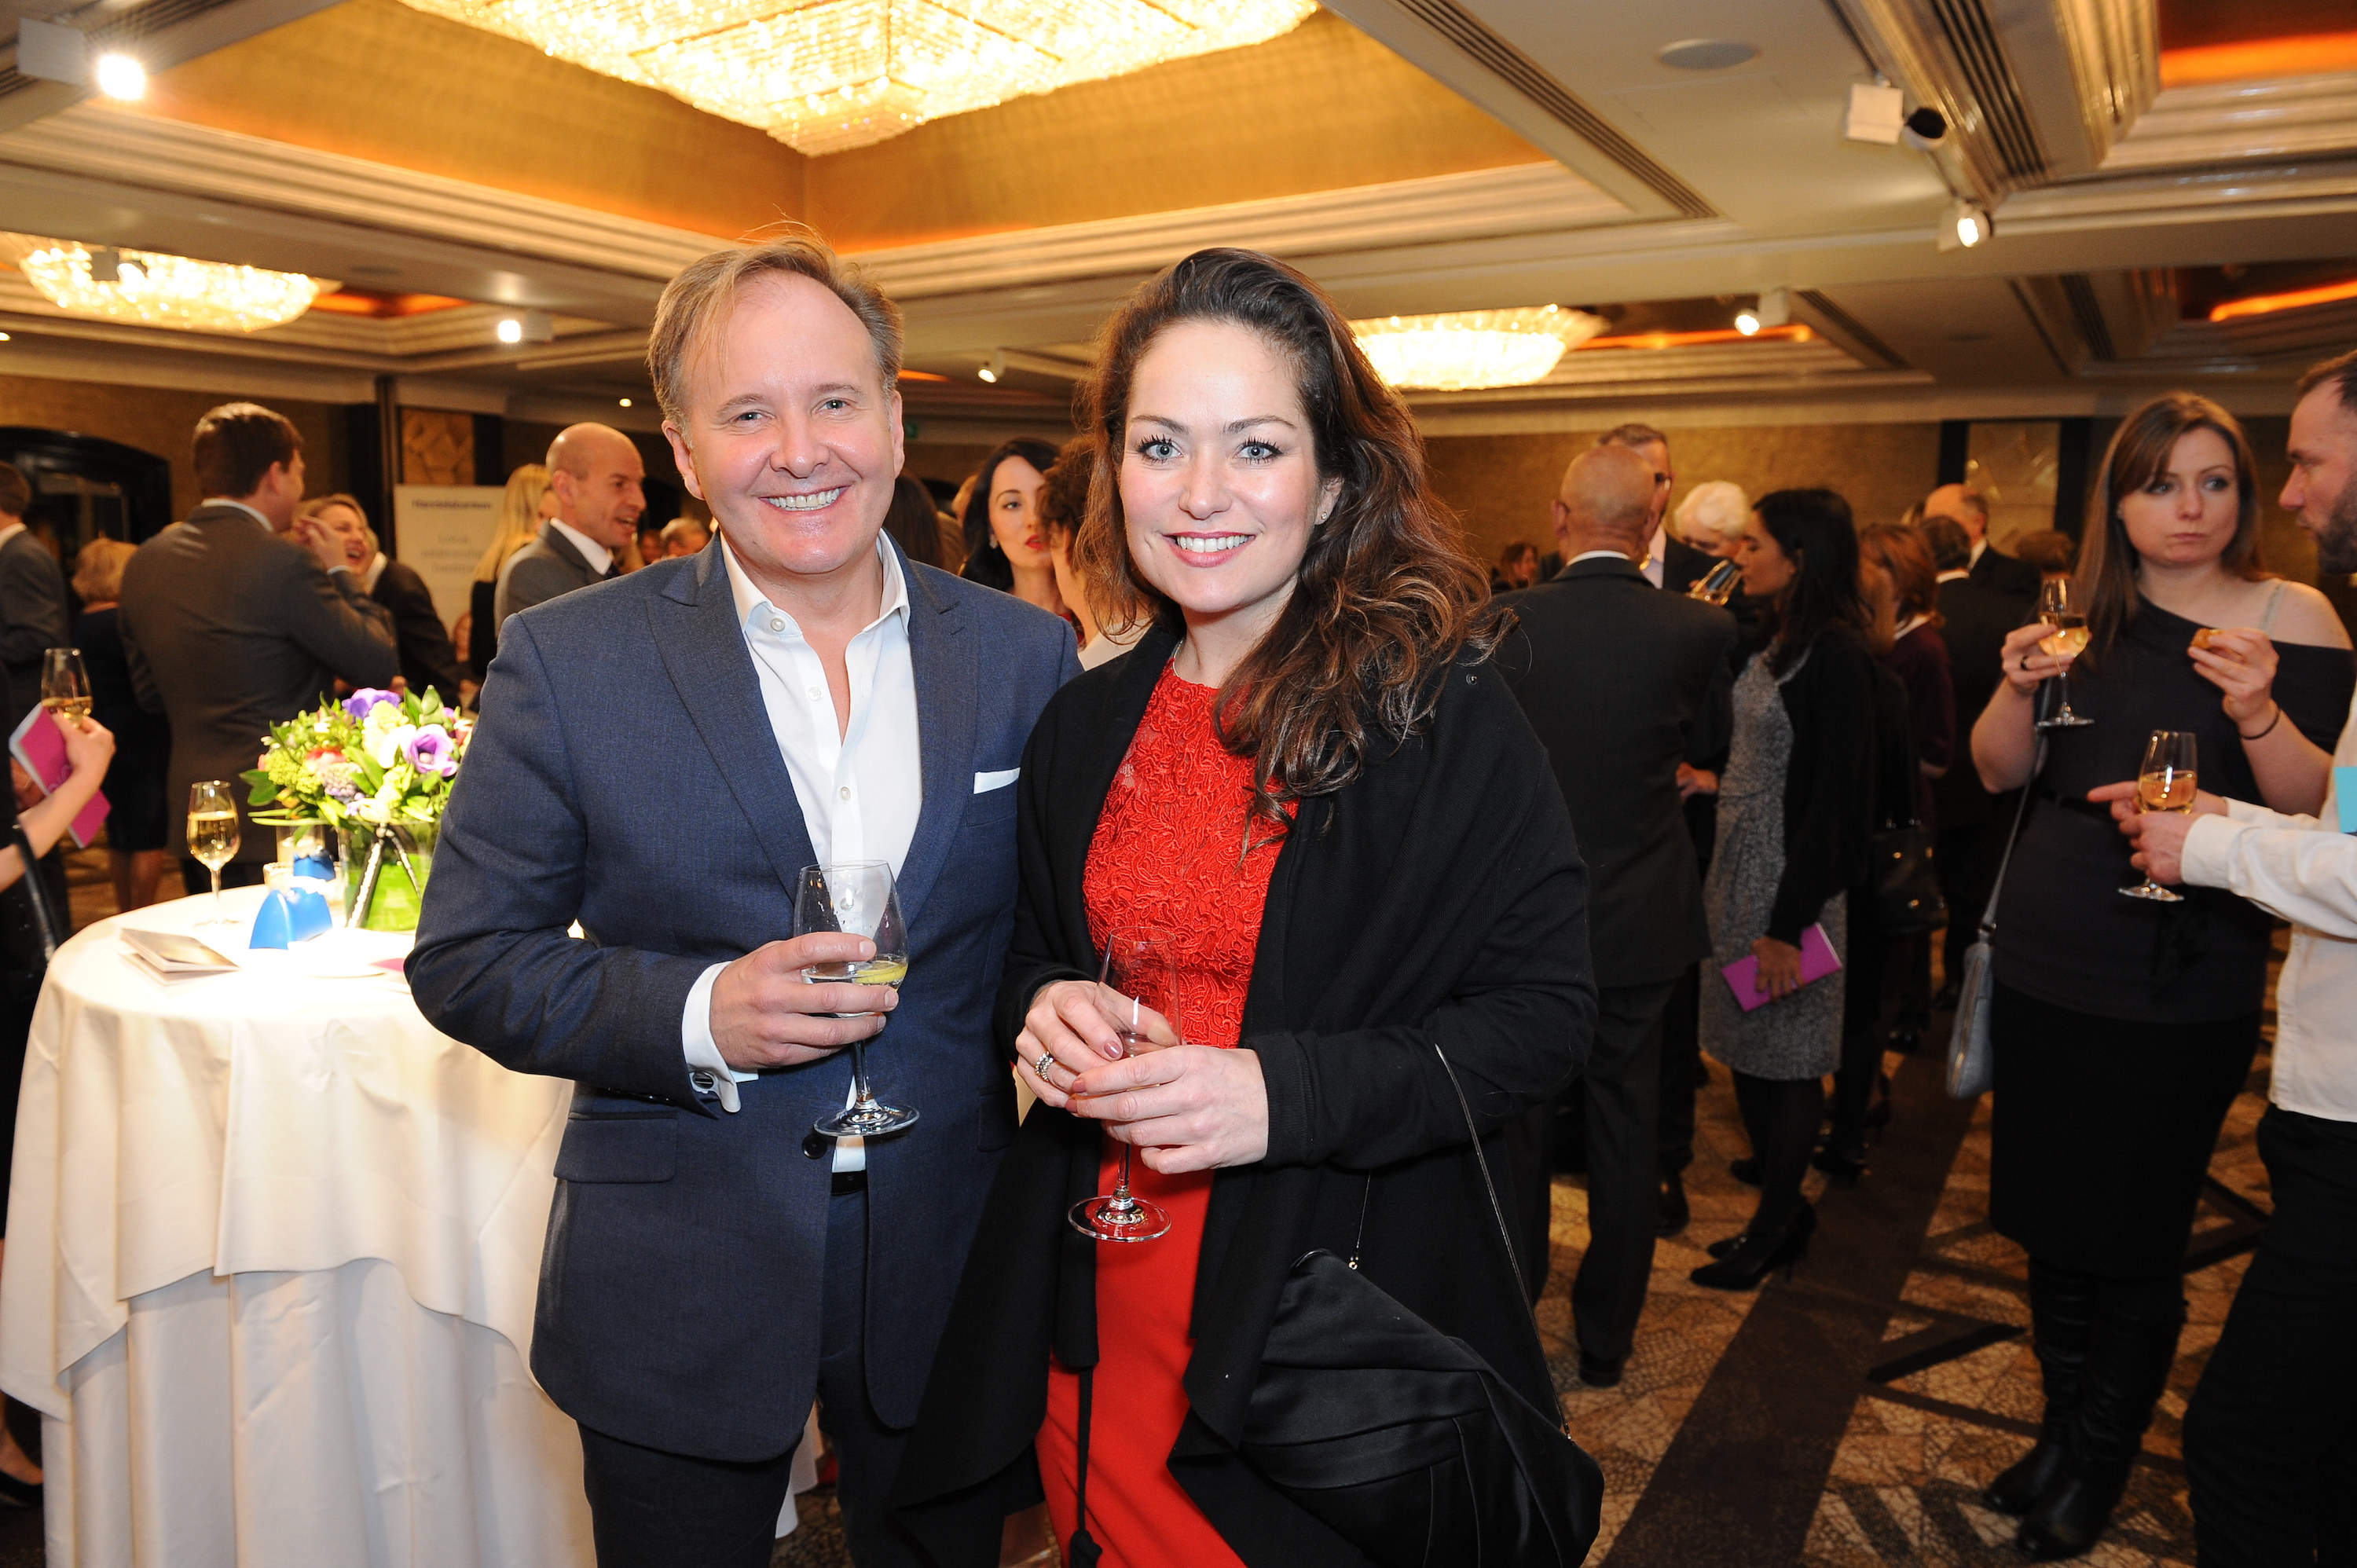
(2241, 662)
(2029, 666)
(1186, 1108)
(1075, 1026)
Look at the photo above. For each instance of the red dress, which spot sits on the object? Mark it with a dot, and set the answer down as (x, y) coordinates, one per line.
(1165, 854)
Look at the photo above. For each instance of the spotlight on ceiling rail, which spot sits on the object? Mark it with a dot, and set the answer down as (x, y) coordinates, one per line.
(1964, 225)
(1773, 309)
(119, 76)
(527, 326)
(996, 371)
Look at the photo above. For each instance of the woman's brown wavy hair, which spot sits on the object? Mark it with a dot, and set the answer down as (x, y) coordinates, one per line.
(2139, 454)
(1388, 595)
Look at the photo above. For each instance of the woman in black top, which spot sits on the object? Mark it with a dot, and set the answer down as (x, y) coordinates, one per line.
(135, 820)
(2123, 1029)
(1793, 805)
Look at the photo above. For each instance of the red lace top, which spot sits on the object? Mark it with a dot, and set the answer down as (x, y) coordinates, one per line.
(1168, 853)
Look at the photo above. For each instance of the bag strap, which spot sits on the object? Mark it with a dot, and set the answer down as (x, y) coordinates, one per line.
(1497, 1209)
(2036, 765)
(1082, 1549)
(45, 919)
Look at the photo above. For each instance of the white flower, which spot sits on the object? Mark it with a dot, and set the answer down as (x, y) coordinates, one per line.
(385, 746)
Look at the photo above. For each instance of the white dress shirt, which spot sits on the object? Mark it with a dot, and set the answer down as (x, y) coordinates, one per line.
(1657, 555)
(1608, 555)
(375, 570)
(859, 785)
(2304, 870)
(598, 556)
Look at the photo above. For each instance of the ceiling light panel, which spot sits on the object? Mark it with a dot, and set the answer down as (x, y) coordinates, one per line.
(845, 73)
(1462, 351)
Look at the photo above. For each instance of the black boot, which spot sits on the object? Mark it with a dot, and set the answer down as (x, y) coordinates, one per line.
(2060, 1303)
(2131, 1344)
(1751, 1256)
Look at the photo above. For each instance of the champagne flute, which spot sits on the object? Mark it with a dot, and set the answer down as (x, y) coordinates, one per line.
(65, 685)
(857, 897)
(1137, 990)
(212, 835)
(1717, 585)
(2065, 639)
(2165, 783)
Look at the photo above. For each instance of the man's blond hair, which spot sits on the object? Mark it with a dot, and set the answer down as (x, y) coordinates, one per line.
(698, 300)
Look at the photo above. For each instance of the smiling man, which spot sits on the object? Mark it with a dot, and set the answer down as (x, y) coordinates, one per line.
(798, 694)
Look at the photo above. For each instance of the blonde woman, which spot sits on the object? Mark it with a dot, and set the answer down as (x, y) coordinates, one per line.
(527, 503)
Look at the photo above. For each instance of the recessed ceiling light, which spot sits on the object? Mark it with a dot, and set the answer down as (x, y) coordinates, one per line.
(1706, 54)
(511, 330)
(120, 76)
(626, 403)
(3, 337)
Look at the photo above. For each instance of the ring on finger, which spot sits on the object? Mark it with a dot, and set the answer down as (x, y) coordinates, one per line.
(1047, 1060)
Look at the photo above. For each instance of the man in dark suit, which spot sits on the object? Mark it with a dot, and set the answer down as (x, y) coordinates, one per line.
(595, 475)
(236, 619)
(1623, 683)
(798, 694)
(1972, 823)
(1668, 561)
(1989, 566)
(32, 604)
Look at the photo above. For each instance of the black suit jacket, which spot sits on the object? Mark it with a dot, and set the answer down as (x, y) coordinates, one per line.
(32, 621)
(539, 571)
(231, 629)
(1682, 565)
(426, 656)
(1622, 682)
(1978, 616)
(2003, 574)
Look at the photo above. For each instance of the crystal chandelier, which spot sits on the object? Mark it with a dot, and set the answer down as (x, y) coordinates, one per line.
(1460, 351)
(156, 290)
(833, 74)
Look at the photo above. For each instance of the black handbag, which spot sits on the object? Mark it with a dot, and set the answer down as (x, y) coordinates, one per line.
(1402, 1439)
(1905, 881)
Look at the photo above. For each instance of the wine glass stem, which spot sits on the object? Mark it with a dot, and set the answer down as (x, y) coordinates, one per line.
(1120, 1189)
(216, 903)
(859, 1075)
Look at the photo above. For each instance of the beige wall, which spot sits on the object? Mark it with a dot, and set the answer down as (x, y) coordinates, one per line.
(161, 421)
(1501, 484)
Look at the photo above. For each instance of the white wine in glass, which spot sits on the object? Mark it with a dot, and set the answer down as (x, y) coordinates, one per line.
(2066, 637)
(857, 897)
(212, 835)
(2167, 782)
(1137, 990)
(65, 684)
(1717, 585)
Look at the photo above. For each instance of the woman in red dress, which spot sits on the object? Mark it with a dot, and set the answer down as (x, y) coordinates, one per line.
(1307, 773)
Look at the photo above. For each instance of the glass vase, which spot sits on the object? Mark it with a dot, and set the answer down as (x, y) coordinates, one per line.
(386, 868)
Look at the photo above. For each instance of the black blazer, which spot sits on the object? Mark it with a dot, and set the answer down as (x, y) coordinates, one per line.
(426, 656)
(32, 621)
(1682, 565)
(2006, 574)
(1622, 682)
(1977, 618)
(1829, 781)
(1439, 898)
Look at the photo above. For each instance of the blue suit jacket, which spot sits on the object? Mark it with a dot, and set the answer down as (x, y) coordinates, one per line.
(624, 774)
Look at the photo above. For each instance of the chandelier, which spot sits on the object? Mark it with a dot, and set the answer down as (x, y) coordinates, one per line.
(826, 75)
(1460, 351)
(156, 290)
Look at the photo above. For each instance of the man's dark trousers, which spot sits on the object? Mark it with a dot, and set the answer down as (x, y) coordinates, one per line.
(1620, 1086)
(2271, 1436)
(733, 1509)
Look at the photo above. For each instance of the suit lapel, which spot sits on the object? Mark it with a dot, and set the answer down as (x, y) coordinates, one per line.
(948, 674)
(704, 651)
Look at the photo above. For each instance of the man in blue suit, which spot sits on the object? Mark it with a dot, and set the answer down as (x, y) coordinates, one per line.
(657, 758)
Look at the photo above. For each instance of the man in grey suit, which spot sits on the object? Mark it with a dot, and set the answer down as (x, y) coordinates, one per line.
(234, 620)
(32, 604)
(595, 474)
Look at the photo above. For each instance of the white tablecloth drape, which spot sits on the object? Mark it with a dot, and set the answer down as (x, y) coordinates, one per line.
(273, 1244)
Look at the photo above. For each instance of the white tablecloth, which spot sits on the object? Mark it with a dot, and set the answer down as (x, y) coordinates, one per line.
(273, 1244)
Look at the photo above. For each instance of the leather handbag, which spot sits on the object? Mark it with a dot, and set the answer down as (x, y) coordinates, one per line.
(1971, 1068)
(1906, 883)
(1402, 1439)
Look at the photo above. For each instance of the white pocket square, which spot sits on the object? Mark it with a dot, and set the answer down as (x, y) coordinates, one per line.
(983, 783)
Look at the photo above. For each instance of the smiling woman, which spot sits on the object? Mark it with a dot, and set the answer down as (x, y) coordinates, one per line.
(1005, 539)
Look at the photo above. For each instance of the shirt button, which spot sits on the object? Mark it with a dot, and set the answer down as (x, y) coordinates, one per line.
(844, 792)
(814, 693)
(776, 625)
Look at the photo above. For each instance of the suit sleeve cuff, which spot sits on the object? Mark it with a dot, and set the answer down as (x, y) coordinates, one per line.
(695, 1038)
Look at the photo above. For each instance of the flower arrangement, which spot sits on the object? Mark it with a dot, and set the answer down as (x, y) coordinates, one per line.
(375, 756)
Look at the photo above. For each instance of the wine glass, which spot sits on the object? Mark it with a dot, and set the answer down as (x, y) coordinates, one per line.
(2165, 783)
(2065, 639)
(1717, 585)
(212, 835)
(1137, 990)
(65, 685)
(857, 897)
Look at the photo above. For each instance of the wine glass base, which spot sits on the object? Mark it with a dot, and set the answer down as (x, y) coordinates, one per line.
(2154, 892)
(2064, 720)
(873, 1121)
(1110, 1219)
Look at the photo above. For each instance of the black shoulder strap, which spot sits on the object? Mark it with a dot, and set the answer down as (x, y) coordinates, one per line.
(1497, 1209)
(2037, 765)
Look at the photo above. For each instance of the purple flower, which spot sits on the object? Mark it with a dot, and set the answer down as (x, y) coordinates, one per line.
(431, 750)
(361, 702)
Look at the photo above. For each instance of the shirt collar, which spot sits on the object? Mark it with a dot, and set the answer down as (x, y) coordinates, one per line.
(375, 570)
(598, 556)
(224, 501)
(1618, 555)
(1980, 547)
(750, 597)
(1958, 576)
(10, 532)
(1657, 549)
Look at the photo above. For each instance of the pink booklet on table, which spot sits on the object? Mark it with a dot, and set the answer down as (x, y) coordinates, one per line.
(1818, 960)
(37, 745)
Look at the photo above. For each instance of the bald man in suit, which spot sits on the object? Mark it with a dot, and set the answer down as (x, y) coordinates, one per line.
(596, 476)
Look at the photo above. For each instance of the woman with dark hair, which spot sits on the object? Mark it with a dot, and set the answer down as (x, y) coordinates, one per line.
(913, 523)
(1006, 545)
(2122, 1028)
(1063, 506)
(1517, 567)
(1793, 806)
(1308, 774)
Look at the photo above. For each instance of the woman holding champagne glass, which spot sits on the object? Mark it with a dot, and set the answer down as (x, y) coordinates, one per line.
(1307, 777)
(2123, 1028)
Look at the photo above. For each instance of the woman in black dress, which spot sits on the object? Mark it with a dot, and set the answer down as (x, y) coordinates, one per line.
(142, 741)
(2123, 1029)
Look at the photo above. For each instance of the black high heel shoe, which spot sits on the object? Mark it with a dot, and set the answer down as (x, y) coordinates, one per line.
(1843, 1166)
(1750, 1259)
